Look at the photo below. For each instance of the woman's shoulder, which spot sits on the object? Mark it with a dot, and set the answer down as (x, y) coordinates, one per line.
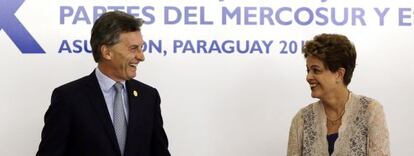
(369, 103)
(365, 99)
(307, 110)
(312, 107)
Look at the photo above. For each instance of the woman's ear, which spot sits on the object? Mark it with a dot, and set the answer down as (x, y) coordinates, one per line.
(340, 73)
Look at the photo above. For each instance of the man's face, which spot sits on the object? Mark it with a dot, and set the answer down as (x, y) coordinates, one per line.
(125, 56)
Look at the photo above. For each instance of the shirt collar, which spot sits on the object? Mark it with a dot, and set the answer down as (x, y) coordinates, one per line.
(105, 82)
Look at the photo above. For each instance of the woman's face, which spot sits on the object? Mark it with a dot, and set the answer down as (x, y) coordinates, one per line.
(321, 80)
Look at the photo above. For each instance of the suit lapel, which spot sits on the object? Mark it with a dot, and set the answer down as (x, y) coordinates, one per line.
(136, 110)
(98, 102)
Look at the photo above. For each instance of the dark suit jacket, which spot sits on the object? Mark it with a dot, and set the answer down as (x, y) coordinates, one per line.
(77, 122)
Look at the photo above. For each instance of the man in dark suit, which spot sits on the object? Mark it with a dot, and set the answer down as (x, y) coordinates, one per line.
(107, 113)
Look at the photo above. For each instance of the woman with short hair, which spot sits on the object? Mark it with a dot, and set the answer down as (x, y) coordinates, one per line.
(341, 122)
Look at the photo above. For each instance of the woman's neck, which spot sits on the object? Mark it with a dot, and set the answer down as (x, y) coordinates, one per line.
(335, 104)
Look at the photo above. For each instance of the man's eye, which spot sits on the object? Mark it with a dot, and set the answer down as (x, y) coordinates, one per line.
(134, 48)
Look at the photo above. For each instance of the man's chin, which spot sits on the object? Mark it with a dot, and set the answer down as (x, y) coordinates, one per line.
(131, 76)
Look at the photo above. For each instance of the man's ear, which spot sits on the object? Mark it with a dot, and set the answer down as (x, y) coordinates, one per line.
(106, 52)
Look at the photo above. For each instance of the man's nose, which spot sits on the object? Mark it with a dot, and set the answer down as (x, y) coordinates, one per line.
(140, 56)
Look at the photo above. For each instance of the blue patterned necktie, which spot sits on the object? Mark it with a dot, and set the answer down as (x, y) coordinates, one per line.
(119, 120)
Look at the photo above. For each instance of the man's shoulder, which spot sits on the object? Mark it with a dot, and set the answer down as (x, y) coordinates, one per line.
(139, 84)
(75, 84)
